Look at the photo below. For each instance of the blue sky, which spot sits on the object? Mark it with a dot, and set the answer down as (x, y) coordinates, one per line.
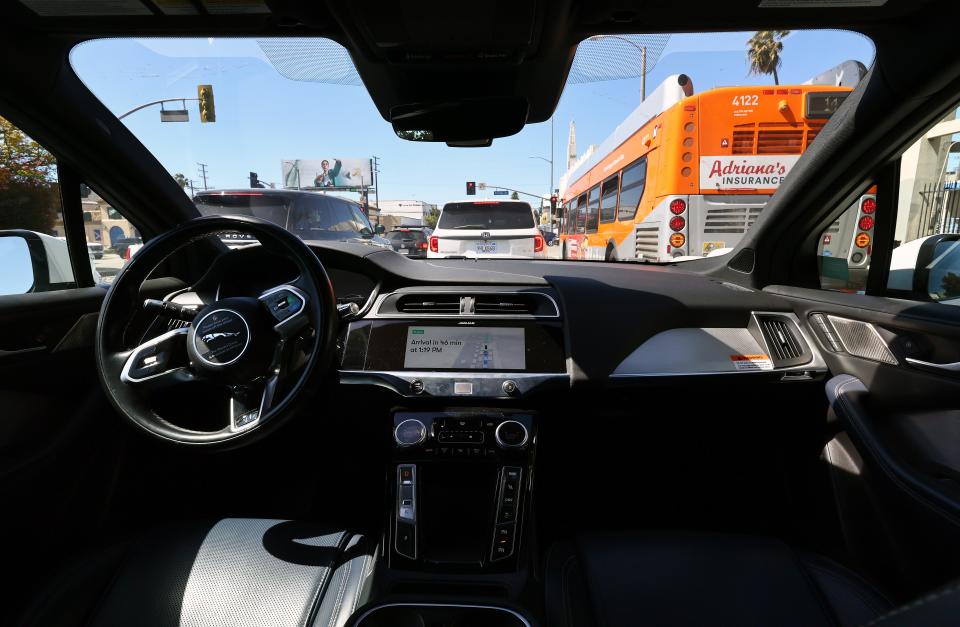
(263, 118)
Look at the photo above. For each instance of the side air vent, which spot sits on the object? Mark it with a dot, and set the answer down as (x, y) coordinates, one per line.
(448, 304)
(783, 339)
(468, 304)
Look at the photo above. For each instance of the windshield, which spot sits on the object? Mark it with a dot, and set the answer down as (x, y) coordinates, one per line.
(663, 148)
(493, 215)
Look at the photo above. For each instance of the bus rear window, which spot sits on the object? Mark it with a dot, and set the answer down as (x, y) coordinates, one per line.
(500, 215)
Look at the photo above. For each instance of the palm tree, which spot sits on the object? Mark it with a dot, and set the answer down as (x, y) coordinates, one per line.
(763, 52)
(180, 179)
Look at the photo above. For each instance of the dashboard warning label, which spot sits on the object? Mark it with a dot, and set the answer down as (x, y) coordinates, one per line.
(751, 362)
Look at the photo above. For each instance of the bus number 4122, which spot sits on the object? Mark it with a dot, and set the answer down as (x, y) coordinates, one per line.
(746, 100)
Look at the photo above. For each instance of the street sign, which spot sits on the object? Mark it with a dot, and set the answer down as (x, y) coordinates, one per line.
(500, 192)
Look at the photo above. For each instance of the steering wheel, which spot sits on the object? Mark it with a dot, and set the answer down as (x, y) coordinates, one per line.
(237, 344)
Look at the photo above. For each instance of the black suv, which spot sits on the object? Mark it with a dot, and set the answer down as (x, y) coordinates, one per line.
(411, 242)
(311, 216)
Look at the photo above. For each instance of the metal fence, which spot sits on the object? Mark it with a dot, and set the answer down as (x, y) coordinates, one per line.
(939, 212)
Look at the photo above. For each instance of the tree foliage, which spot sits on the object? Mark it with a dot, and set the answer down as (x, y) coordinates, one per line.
(763, 52)
(431, 217)
(29, 193)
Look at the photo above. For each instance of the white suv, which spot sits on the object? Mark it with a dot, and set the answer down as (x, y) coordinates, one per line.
(486, 228)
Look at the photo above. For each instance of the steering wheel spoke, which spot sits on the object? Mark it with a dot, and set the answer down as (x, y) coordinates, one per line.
(159, 363)
(250, 402)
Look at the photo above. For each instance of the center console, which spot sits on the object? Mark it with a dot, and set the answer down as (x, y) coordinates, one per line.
(458, 540)
(461, 480)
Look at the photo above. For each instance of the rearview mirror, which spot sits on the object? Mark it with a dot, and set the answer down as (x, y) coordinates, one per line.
(460, 122)
(18, 276)
(380, 229)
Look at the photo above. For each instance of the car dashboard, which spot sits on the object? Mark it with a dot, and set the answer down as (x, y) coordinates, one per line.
(532, 326)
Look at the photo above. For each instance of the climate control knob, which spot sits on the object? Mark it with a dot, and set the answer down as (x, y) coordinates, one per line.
(511, 434)
(410, 432)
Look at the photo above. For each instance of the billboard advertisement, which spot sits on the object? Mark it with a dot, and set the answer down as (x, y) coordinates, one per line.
(748, 172)
(328, 173)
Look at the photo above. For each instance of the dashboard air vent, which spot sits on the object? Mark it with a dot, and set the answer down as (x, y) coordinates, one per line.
(429, 304)
(469, 303)
(783, 340)
(505, 304)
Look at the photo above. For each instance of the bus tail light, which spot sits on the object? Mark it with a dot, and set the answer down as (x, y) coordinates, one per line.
(434, 244)
(678, 206)
(865, 223)
(677, 240)
(538, 243)
(677, 223)
(869, 205)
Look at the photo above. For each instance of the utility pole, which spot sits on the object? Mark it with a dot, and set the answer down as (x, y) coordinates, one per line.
(376, 181)
(643, 73)
(203, 175)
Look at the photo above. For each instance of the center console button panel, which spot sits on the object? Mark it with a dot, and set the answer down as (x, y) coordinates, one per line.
(406, 514)
(462, 476)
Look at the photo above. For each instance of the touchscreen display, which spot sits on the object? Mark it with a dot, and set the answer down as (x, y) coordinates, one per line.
(466, 348)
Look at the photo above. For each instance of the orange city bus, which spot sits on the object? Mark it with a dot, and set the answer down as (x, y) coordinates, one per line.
(685, 175)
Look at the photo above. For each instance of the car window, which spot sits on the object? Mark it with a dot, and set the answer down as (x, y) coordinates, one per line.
(361, 221)
(243, 203)
(486, 215)
(33, 248)
(112, 239)
(344, 220)
(925, 257)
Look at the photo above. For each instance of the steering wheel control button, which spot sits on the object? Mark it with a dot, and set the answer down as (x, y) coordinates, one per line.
(221, 337)
(283, 303)
(410, 432)
(243, 420)
(416, 386)
(511, 434)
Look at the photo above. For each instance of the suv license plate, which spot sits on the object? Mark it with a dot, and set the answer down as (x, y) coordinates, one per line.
(486, 248)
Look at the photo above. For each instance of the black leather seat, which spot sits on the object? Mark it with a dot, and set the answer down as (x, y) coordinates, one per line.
(232, 572)
(701, 579)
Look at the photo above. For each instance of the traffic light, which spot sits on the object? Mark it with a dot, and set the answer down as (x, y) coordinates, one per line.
(553, 203)
(205, 96)
(471, 188)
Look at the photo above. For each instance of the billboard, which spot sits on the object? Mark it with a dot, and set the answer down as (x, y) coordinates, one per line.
(328, 173)
(747, 172)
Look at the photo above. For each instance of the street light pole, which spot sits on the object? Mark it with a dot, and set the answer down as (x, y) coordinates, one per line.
(643, 60)
(155, 102)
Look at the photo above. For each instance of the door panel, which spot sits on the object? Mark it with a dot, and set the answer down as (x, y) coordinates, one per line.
(895, 457)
